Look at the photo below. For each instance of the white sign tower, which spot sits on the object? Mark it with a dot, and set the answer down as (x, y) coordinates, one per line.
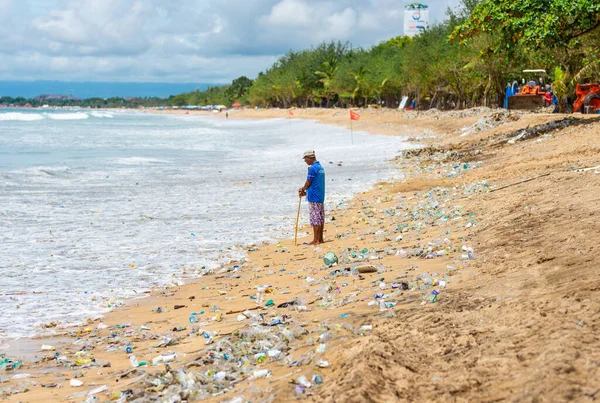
(416, 18)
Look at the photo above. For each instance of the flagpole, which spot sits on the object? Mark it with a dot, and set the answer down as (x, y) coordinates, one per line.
(351, 132)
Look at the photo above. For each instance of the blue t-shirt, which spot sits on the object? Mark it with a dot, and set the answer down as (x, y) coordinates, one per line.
(316, 175)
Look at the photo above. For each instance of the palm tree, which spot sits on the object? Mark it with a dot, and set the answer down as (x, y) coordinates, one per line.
(326, 74)
(362, 87)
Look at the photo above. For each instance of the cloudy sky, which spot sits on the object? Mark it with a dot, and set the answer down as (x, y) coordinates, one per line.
(181, 40)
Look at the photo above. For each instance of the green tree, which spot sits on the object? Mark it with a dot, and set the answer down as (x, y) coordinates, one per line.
(559, 28)
(238, 89)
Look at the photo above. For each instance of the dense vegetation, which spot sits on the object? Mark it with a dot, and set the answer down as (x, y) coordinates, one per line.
(115, 102)
(465, 61)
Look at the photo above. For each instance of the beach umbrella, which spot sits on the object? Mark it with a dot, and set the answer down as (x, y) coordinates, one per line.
(236, 105)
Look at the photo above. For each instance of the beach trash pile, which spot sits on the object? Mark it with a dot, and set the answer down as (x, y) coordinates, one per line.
(400, 250)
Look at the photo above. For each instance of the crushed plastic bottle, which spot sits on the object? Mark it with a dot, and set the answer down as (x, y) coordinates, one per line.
(261, 373)
(75, 383)
(164, 358)
(134, 362)
(302, 381)
(324, 337)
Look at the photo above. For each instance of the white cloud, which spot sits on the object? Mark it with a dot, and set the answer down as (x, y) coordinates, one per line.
(97, 27)
(290, 13)
(368, 21)
(184, 40)
(5, 7)
(339, 25)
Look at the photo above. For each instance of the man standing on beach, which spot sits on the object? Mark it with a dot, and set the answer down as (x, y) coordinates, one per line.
(314, 190)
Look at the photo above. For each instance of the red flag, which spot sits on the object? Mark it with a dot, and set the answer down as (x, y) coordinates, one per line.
(354, 115)
(291, 112)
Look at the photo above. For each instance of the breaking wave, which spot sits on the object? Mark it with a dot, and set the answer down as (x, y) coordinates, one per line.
(25, 117)
(101, 114)
(67, 116)
(20, 116)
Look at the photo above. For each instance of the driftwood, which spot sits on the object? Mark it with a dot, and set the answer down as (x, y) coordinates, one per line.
(536, 131)
(243, 310)
(522, 181)
(366, 269)
(284, 376)
(123, 374)
(136, 380)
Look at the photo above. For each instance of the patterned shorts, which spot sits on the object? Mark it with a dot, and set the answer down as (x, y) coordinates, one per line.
(317, 213)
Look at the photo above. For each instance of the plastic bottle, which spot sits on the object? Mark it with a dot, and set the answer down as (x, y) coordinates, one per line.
(344, 257)
(302, 381)
(134, 362)
(259, 295)
(75, 383)
(192, 318)
(261, 373)
(322, 364)
(163, 358)
(324, 337)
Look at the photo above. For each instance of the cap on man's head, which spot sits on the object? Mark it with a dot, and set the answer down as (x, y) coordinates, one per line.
(308, 154)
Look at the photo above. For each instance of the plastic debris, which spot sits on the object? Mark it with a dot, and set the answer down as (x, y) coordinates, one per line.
(75, 383)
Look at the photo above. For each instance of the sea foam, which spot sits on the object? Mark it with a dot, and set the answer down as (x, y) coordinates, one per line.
(96, 211)
(67, 116)
(20, 116)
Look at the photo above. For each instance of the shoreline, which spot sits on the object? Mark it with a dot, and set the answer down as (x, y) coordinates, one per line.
(456, 188)
(244, 114)
(28, 346)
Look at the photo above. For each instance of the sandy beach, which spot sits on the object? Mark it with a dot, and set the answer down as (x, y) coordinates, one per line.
(472, 278)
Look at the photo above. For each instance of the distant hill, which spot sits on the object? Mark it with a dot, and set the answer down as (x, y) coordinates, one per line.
(84, 90)
(56, 97)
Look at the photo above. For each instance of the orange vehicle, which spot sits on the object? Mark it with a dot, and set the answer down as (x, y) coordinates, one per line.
(588, 98)
(532, 91)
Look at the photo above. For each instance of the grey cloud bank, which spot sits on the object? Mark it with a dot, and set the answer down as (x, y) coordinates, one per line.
(180, 41)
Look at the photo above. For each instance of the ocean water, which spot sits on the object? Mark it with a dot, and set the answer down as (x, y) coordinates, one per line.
(97, 207)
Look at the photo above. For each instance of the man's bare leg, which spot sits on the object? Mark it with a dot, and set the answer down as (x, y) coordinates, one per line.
(321, 228)
(315, 241)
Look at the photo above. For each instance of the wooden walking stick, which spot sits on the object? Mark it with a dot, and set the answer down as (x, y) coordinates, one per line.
(297, 217)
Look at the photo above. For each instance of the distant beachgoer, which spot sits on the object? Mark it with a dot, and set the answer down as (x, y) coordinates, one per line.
(314, 190)
(226, 115)
(548, 98)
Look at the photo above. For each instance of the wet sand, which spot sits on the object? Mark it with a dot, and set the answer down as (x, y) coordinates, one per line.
(485, 255)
